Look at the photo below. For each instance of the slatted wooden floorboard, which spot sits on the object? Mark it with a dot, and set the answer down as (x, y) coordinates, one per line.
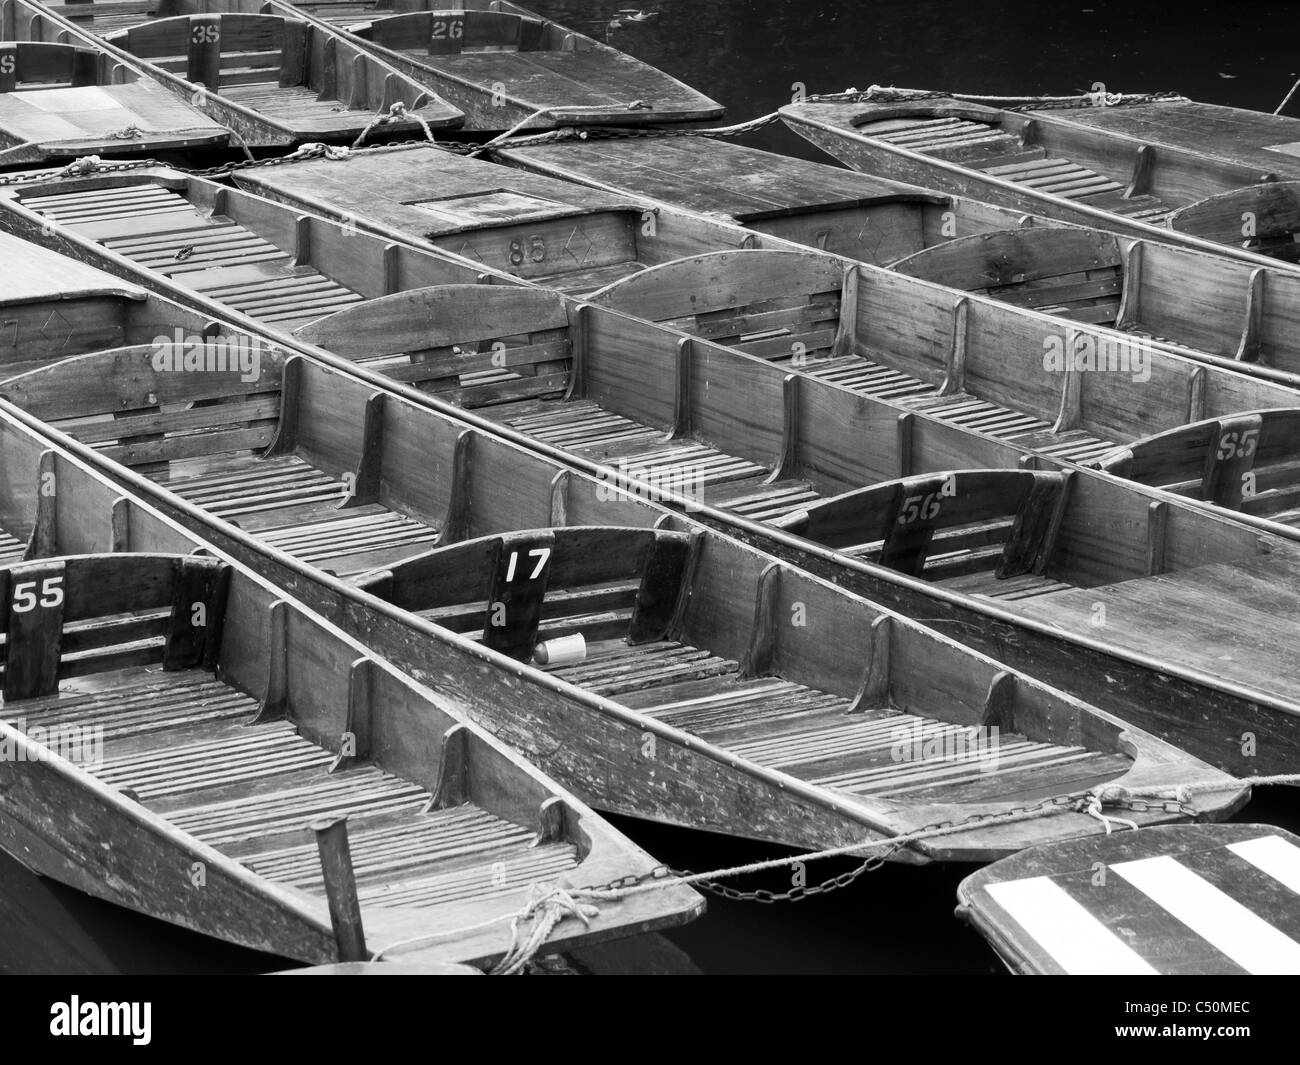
(295, 507)
(998, 154)
(161, 230)
(184, 744)
(811, 734)
(684, 465)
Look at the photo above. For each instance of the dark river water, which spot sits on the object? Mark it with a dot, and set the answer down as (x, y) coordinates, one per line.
(749, 56)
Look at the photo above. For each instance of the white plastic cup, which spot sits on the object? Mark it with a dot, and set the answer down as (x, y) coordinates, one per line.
(562, 652)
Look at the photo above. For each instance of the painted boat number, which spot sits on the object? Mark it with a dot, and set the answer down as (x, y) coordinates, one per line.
(25, 599)
(533, 250)
(542, 554)
(448, 29)
(919, 508)
(1238, 445)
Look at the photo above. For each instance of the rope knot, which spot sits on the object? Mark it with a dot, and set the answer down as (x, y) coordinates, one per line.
(546, 907)
(1111, 795)
(396, 112)
(87, 164)
(128, 133)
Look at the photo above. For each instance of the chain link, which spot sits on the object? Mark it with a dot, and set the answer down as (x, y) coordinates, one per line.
(876, 861)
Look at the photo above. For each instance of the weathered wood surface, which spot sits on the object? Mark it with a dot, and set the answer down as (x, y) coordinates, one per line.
(826, 207)
(834, 436)
(1253, 138)
(1263, 218)
(502, 65)
(1247, 463)
(1177, 901)
(204, 842)
(804, 677)
(1176, 299)
(302, 80)
(63, 93)
(1045, 162)
(273, 80)
(551, 232)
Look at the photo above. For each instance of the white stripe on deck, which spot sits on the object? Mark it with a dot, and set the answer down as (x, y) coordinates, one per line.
(1075, 939)
(1272, 855)
(1230, 927)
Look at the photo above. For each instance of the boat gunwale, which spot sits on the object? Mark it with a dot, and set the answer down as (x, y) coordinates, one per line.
(794, 115)
(21, 221)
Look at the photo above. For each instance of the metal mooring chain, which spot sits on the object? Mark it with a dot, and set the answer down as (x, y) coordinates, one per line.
(876, 861)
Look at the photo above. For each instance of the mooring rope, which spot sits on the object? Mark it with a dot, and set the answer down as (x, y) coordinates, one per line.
(1287, 98)
(548, 905)
(396, 112)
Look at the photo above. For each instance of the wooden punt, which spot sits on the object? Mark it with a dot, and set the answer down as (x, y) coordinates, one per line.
(1125, 168)
(1182, 900)
(842, 211)
(1263, 218)
(502, 64)
(62, 94)
(763, 438)
(1247, 463)
(1206, 306)
(552, 233)
(1196, 303)
(174, 766)
(273, 79)
(55, 306)
(699, 704)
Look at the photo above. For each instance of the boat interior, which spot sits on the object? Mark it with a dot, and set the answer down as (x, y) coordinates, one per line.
(552, 233)
(1262, 218)
(257, 257)
(1177, 296)
(1248, 462)
(199, 725)
(696, 634)
(1037, 151)
(1087, 556)
(537, 62)
(311, 462)
(820, 206)
(61, 95)
(289, 72)
(1060, 390)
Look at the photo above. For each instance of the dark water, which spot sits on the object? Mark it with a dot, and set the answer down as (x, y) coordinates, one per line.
(749, 56)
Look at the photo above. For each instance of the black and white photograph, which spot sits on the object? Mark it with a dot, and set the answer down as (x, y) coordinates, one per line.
(725, 487)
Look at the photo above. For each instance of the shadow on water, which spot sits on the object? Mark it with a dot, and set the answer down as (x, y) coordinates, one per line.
(51, 929)
(749, 56)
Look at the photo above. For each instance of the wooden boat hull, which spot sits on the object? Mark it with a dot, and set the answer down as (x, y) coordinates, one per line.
(905, 441)
(63, 95)
(186, 846)
(1192, 303)
(1114, 183)
(840, 211)
(543, 231)
(272, 80)
(1148, 903)
(626, 760)
(501, 65)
